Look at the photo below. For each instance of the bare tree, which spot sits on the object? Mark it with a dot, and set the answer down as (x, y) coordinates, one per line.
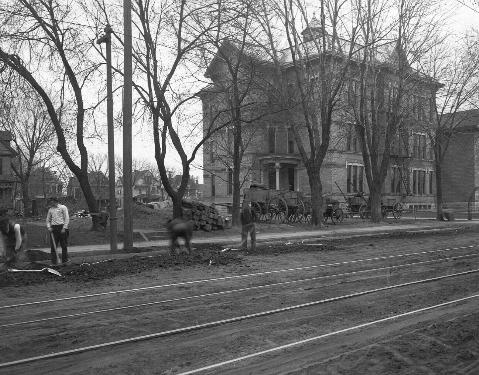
(169, 38)
(383, 83)
(24, 116)
(138, 168)
(457, 75)
(470, 4)
(98, 163)
(240, 78)
(182, 26)
(42, 36)
(43, 183)
(309, 88)
(98, 174)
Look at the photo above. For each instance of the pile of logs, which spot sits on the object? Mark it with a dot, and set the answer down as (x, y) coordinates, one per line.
(203, 217)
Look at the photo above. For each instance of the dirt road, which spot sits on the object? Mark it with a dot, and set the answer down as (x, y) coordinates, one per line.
(284, 295)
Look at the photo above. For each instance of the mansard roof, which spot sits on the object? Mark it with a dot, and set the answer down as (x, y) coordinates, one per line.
(388, 56)
(252, 52)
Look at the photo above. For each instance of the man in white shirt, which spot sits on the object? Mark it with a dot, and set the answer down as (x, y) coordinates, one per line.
(57, 225)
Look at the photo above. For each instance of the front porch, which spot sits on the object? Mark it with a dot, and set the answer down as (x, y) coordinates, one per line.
(280, 172)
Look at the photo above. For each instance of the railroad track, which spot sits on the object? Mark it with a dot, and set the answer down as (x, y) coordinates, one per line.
(330, 284)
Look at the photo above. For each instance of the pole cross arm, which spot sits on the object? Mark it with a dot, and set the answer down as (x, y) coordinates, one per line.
(106, 38)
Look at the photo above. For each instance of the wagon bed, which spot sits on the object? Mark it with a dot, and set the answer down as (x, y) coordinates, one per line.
(270, 205)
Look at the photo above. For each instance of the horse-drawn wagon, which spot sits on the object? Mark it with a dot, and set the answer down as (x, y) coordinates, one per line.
(389, 206)
(269, 205)
(332, 210)
(281, 206)
(359, 204)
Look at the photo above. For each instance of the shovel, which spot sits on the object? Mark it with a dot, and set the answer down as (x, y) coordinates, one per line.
(56, 247)
(46, 269)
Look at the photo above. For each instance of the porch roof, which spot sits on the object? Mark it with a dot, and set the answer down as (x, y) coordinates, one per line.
(280, 158)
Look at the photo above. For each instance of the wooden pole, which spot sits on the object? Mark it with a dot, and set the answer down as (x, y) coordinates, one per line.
(111, 138)
(127, 131)
(111, 143)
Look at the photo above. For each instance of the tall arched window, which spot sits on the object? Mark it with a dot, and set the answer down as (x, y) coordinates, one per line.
(272, 140)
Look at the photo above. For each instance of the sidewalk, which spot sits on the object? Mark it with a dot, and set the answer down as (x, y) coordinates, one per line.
(323, 233)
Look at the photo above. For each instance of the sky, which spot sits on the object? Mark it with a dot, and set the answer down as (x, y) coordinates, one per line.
(461, 19)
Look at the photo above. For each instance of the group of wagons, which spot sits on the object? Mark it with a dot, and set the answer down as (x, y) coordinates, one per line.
(280, 206)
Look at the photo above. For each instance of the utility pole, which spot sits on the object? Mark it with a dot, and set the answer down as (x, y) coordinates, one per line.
(111, 138)
(127, 124)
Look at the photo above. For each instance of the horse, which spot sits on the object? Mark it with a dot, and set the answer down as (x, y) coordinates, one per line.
(179, 228)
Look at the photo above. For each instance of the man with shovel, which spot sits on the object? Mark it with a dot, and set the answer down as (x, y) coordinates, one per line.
(57, 225)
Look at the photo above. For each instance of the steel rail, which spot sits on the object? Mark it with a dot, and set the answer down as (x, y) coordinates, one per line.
(224, 278)
(326, 335)
(224, 321)
(232, 291)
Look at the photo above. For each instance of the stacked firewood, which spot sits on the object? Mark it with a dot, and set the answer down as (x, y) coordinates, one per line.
(203, 217)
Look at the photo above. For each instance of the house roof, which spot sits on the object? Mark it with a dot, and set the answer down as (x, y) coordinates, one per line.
(467, 121)
(388, 56)
(5, 138)
(6, 144)
(5, 135)
(252, 52)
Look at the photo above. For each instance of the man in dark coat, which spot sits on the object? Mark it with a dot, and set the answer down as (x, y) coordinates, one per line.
(14, 240)
(180, 228)
(247, 226)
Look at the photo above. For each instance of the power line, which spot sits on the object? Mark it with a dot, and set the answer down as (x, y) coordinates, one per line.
(95, 28)
(468, 6)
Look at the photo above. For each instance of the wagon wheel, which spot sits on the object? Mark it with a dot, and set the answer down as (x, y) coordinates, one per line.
(297, 212)
(291, 214)
(277, 209)
(363, 211)
(282, 213)
(349, 210)
(384, 212)
(306, 217)
(257, 211)
(326, 214)
(300, 210)
(398, 208)
(337, 216)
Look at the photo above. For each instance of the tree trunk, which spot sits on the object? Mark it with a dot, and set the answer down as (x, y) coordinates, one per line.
(439, 197)
(236, 197)
(27, 207)
(316, 197)
(375, 204)
(175, 195)
(177, 206)
(236, 181)
(91, 202)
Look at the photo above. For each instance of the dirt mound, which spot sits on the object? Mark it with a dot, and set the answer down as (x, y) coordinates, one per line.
(290, 247)
(202, 255)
